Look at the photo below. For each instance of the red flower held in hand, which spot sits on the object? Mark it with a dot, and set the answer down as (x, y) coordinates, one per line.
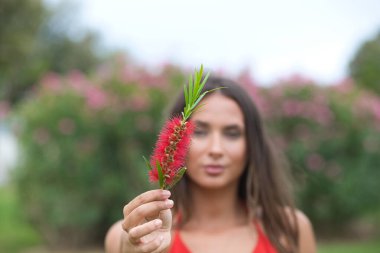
(168, 159)
(171, 149)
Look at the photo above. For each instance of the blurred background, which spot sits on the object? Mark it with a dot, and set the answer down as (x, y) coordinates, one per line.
(84, 86)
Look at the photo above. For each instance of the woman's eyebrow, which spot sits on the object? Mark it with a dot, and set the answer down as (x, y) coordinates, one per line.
(234, 126)
(199, 123)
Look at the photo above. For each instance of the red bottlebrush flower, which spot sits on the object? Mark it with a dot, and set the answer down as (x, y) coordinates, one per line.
(171, 148)
(168, 160)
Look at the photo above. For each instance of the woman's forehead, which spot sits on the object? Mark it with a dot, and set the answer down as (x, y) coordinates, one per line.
(217, 107)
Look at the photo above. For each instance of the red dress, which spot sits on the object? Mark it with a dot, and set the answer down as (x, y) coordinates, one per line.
(263, 244)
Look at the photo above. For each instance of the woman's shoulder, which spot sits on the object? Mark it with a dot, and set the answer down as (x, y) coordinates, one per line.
(296, 216)
(305, 229)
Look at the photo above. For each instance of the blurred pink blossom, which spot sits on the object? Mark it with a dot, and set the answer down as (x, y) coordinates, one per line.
(344, 86)
(149, 80)
(51, 82)
(133, 74)
(296, 80)
(129, 74)
(369, 103)
(138, 103)
(66, 126)
(292, 108)
(315, 162)
(78, 81)
(311, 110)
(103, 73)
(269, 103)
(96, 98)
(4, 108)
(320, 113)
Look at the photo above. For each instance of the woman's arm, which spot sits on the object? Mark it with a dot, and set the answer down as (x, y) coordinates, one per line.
(113, 238)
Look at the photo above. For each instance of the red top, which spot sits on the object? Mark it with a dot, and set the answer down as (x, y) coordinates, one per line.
(263, 244)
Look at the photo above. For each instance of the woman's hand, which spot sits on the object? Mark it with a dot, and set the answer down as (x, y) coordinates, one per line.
(147, 223)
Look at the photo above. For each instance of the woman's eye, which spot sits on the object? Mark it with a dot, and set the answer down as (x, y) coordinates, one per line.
(199, 132)
(233, 134)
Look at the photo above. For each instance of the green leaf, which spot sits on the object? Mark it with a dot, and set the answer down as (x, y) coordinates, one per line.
(147, 163)
(161, 178)
(196, 109)
(190, 89)
(196, 82)
(203, 83)
(198, 100)
(177, 177)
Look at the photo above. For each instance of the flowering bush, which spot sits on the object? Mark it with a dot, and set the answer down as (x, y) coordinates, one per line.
(331, 136)
(83, 137)
(82, 141)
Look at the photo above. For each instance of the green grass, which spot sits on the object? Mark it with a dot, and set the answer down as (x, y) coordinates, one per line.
(15, 233)
(350, 247)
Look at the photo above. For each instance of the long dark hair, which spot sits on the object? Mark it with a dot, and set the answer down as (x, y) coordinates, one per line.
(263, 186)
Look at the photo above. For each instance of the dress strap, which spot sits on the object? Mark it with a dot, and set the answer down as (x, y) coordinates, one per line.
(263, 242)
(177, 244)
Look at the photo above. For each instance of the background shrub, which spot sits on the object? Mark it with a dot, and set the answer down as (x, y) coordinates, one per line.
(82, 138)
(331, 136)
(82, 141)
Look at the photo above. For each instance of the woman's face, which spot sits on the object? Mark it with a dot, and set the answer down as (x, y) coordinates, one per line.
(217, 154)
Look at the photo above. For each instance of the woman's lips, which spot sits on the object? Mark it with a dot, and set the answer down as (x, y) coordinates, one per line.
(214, 169)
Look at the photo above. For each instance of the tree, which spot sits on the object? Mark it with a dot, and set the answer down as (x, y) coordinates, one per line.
(365, 65)
(20, 21)
(35, 39)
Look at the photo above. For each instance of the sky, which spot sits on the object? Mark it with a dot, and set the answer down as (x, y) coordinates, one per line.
(272, 39)
(8, 150)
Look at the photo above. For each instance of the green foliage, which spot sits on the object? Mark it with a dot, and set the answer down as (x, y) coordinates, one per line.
(33, 42)
(16, 233)
(365, 66)
(19, 23)
(193, 91)
(82, 142)
(331, 137)
(83, 137)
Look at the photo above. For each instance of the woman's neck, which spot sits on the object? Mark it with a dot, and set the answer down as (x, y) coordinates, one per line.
(214, 210)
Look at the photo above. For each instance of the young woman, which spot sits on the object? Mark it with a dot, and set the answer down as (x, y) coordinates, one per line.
(234, 196)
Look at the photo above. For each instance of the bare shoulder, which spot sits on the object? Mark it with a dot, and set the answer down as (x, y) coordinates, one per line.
(306, 240)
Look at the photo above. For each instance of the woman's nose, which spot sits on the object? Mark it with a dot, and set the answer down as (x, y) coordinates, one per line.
(215, 146)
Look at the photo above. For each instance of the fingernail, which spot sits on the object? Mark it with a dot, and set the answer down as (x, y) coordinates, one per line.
(157, 223)
(166, 193)
(169, 202)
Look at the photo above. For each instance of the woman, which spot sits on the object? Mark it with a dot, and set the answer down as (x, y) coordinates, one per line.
(233, 198)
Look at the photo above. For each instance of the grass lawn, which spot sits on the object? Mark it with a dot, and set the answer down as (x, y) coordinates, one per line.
(15, 233)
(350, 247)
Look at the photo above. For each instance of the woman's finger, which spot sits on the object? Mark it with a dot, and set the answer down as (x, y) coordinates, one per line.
(151, 209)
(151, 246)
(146, 197)
(136, 233)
